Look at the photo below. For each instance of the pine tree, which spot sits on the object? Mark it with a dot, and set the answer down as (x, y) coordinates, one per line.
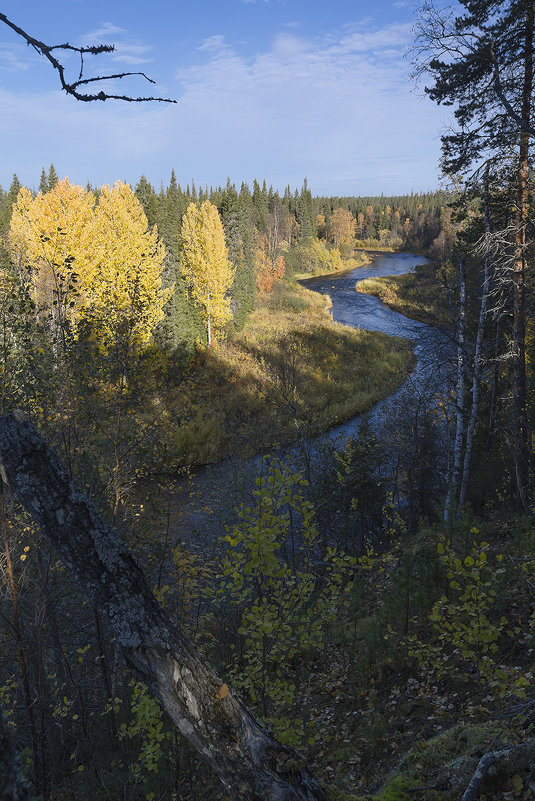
(482, 62)
(182, 325)
(260, 203)
(305, 214)
(237, 222)
(14, 189)
(149, 200)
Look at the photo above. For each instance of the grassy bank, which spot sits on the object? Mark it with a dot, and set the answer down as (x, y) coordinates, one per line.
(291, 372)
(309, 259)
(417, 294)
(373, 244)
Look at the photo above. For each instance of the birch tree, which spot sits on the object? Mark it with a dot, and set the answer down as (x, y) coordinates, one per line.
(125, 287)
(91, 261)
(206, 266)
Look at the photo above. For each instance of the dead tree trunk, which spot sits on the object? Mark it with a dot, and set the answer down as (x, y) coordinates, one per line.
(250, 762)
(459, 399)
(478, 359)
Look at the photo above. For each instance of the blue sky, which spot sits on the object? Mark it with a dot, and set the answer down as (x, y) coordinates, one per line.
(275, 89)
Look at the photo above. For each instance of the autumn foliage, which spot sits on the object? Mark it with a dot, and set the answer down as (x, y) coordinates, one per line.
(90, 260)
(269, 266)
(205, 264)
(341, 227)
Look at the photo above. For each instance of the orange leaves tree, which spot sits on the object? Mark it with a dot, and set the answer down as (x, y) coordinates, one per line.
(205, 264)
(270, 264)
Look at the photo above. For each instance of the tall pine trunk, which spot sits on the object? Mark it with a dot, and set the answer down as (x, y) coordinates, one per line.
(519, 282)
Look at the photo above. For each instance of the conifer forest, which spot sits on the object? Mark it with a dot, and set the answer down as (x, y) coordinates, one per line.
(267, 463)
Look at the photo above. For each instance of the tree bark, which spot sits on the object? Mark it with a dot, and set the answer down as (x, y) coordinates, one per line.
(250, 762)
(478, 361)
(519, 287)
(459, 399)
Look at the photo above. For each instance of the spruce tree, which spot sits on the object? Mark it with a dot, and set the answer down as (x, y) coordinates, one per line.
(481, 62)
(149, 200)
(43, 183)
(52, 178)
(14, 189)
(260, 203)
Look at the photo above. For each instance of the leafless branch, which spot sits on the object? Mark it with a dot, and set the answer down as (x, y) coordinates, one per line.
(74, 87)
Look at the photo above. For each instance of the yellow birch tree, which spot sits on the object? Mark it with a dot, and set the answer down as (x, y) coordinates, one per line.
(125, 289)
(341, 227)
(99, 262)
(51, 235)
(205, 264)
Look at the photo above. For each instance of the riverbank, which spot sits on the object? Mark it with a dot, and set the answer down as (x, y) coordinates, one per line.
(359, 259)
(418, 294)
(316, 258)
(291, 372)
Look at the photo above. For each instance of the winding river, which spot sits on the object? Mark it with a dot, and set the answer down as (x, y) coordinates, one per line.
(216, 490)
(432, 347)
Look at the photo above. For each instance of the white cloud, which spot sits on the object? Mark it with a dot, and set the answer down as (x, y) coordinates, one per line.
(337, 109)
(14, 57)
(331, 102)
(131, 54)
(128, 50)
(213, 44)
(391, 36)
(106, 30)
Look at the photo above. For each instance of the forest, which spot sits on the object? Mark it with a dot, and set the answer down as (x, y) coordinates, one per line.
(205, 595)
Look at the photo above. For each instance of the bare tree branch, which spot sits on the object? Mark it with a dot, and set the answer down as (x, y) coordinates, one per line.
(74, 87)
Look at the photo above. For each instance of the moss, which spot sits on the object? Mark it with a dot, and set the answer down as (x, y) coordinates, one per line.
(336, 794)
(395, 790)
(448, 761)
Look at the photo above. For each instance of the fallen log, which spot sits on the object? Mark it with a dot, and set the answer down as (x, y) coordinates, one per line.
(250, 762)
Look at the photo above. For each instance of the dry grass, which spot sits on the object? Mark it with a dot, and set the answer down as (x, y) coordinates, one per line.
(290, 373)
(418, 294)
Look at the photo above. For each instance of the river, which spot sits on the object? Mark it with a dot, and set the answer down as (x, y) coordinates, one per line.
(433, 348)
(200, 510)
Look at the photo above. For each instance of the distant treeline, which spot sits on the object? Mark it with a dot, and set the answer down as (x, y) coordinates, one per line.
(262, 224)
